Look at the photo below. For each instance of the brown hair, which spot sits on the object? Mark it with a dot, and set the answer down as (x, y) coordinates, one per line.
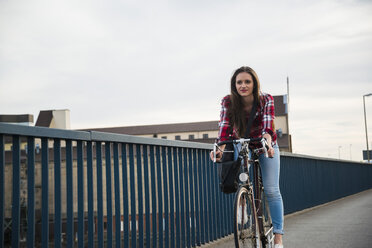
(235, 111)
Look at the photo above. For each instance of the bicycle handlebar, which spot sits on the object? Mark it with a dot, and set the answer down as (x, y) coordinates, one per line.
(262, 140)
(241, 141)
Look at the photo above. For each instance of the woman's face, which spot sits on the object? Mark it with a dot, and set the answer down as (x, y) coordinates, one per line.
(244, 84)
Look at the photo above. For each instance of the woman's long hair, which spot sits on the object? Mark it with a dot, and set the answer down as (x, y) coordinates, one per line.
(235, 111)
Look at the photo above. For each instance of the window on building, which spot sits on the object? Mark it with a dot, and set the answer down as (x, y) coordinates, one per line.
(205, 136)
(164, 137)
(191, 137)
(155, 135)
(178, 137)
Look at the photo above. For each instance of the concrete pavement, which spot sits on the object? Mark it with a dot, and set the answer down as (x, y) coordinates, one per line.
(346, 222)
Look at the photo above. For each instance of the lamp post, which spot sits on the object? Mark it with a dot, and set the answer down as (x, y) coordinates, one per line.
(350, 151)
(365, 122)
(339, 156)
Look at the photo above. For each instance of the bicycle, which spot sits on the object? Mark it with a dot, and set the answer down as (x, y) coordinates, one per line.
(252, 220)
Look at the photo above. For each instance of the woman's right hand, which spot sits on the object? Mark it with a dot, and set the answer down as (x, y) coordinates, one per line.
(219, 153)
(218, 156)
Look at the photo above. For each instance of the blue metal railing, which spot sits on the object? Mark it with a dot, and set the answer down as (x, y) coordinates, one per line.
(307, 181)
(155, 194)
(140, 192)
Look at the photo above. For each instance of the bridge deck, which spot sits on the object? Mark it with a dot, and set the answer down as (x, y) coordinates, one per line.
(343, 223)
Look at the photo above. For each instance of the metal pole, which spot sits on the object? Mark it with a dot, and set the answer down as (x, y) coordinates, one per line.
(350, 152)
(339, 155)
(365, 124)
(289, 137)
(288, 91)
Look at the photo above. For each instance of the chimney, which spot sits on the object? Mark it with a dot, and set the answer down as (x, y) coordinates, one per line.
(61, 119)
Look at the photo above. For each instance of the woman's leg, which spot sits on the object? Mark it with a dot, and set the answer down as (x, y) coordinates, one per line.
(270, 168)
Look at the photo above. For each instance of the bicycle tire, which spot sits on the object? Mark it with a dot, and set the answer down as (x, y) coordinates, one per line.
(268, 240)
(245, 224)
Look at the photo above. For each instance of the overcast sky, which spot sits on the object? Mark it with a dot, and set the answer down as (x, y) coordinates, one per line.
(119, 63)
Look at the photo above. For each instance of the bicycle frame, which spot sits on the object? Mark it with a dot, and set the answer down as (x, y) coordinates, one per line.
(255, 188)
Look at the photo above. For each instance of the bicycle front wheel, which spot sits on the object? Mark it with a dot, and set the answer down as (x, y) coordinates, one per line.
(245, 221)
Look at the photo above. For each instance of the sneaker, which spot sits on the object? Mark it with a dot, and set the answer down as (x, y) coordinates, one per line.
(278, 246)
(245, 215)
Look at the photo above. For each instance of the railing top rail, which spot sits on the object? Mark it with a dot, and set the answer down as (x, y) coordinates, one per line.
(295, 155)
(44, 132)
(123, 138)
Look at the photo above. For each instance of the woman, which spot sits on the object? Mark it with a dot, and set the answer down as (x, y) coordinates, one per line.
(236, 108)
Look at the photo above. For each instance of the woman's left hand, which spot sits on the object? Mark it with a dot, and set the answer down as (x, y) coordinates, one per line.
(270, 151)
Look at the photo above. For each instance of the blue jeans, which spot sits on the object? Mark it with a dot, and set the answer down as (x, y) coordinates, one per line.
(270, 169)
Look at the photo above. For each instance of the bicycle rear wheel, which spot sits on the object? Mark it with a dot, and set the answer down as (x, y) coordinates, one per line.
(245, 221)
(268, 241)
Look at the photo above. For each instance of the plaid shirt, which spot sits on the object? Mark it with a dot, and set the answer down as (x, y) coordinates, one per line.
(262, 123)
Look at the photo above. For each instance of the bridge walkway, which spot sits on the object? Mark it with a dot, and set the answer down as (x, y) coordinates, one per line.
(342, 223)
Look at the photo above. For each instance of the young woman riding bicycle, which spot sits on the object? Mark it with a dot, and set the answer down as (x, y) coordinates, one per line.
(236, 108)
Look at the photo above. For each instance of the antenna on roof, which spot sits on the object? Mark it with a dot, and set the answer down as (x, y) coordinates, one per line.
(288, 92)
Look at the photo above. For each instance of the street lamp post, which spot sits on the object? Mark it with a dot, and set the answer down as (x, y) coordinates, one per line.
(350, 151)
(339, 156)
(365, 122)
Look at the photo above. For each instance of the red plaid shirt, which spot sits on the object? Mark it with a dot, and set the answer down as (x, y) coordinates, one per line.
(262, 123)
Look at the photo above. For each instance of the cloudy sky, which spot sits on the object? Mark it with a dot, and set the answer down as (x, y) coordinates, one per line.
(118, 63)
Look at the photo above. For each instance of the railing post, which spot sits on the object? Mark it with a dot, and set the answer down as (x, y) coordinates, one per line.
(187, 196)
(147, 195)
(16, 209)
(206, 199)
(177, 197)
(80, 175)
(160, 198)
(140, 196)
(2, 189)
(57, 193)
(117, 196)
(210, 197)
(125, 194)
(153, 197)
(132, 197)
(69, 194)
(108, 194)
(182, 197)
(45, 192)
(30, 192)
(90, 194)
(171, 196)
(199, 203)
(99, 195)
(166, 192)
(192, 165)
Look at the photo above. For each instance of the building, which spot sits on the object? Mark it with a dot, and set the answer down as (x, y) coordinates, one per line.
(207, 131)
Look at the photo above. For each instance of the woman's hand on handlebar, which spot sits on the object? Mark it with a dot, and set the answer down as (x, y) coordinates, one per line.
(270, 150)
(219, 152)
